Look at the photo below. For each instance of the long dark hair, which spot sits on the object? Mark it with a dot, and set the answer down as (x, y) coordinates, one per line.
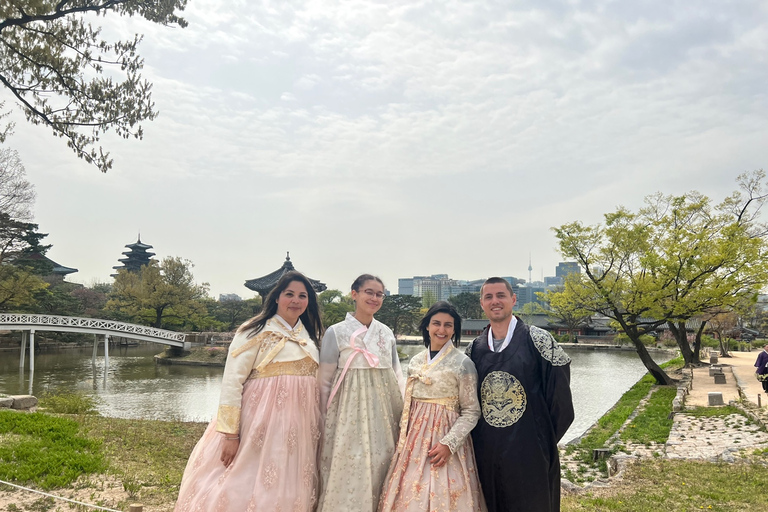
(310, 317)
(440, 307)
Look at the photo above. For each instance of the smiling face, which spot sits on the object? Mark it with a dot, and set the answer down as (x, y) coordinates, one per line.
(497, 302)
(369, 298)
(441, 329)
(292, 302)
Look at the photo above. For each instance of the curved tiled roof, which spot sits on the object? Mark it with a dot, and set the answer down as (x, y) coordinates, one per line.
(264, 284)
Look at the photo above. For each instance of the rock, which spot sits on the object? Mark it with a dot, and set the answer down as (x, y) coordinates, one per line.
(6, 402)
(568, 486)
(23, 402)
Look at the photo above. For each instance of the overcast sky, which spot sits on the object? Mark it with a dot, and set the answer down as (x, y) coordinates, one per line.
(407, 138)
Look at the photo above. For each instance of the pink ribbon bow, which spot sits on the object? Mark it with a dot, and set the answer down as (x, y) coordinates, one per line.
(370, 357)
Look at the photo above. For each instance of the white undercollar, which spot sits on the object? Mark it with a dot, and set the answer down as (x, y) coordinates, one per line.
(507, 338)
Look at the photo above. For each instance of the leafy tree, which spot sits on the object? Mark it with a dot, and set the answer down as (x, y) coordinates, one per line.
(428, 298)
(467, 304)
(528, 310)
(232, 313)
(564, 309)
(20, 276)
(64, 75)
(92, 300)
(400, 312)
(334, 306)
(678, 257)
(17, 195)
(162, 295)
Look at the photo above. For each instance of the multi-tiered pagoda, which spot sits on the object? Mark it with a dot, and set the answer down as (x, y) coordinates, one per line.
(263, 285)
(136, 257)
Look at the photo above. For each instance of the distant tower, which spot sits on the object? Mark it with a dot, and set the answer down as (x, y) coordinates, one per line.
(136, 257)
(530, 269)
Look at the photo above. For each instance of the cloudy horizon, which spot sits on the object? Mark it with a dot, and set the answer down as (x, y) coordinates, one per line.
(406, 138)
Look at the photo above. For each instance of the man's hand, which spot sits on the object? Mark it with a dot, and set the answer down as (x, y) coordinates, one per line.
(229, 450)
(439, 455)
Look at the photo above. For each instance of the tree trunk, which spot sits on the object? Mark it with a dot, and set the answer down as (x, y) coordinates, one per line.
(654, 369)
(681, 337)
(723, 346)
(158, 318)
(697, 343)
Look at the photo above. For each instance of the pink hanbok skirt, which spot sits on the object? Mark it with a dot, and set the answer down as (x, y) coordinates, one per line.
(275, 468)
(414, 485)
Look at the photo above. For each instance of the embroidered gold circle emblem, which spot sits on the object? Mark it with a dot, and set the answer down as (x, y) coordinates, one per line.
(503, 399)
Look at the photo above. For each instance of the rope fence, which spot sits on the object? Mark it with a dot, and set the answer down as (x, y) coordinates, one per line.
(133, 508)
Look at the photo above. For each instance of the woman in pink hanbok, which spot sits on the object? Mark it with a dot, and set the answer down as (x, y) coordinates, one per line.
(434, 467)
(361, 385)
(260, 452)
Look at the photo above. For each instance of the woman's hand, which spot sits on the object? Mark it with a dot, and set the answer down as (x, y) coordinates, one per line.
(229, 450)
(439, 455)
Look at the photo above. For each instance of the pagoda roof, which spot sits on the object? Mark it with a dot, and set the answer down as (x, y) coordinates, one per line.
(264, 284)
(57, 268)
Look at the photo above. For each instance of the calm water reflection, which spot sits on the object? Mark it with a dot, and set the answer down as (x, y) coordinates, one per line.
(138, 388)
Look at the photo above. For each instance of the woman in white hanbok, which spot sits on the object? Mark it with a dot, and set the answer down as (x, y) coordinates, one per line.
(260, 453)
(434, 467)
(361, 386)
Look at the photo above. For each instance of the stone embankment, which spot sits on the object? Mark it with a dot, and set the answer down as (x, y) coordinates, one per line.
(18, 402)
(729, 439)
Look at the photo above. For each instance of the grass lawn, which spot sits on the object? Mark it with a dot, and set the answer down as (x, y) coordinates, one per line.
(654, 485)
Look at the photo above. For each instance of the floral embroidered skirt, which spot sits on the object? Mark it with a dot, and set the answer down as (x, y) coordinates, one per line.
(361, 430)
(275, 468)
(412, 483)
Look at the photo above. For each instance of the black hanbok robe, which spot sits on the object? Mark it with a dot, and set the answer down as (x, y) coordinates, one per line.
(525, 396)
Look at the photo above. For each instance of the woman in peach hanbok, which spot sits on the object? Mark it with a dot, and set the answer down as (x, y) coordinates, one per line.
(434, 466)
(260, 453)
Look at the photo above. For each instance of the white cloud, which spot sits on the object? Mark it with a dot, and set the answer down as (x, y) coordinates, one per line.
(355, 133)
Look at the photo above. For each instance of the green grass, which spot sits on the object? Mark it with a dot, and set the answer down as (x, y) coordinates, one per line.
(654, 485)
(652, 424)
(612, 421)
(44, 450)
(147, 456)
(68, 403)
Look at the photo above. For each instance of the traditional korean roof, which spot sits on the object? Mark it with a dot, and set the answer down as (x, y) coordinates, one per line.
(57, 268)
(264, 284)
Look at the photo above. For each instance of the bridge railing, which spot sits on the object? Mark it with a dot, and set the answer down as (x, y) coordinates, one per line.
(90, 323)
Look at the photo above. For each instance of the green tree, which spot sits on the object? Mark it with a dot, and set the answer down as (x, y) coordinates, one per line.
(20, 273)
(428, 298)
(232, 313)
(528, 310)
(678, 257)
(64, 75)
(400, 312)
(467, 304)
(162, 295)
(334, 306)
(562, 307)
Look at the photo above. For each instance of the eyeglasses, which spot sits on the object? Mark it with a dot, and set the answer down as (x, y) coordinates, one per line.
(372, 294)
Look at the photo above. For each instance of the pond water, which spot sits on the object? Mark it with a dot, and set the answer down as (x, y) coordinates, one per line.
(136, 387)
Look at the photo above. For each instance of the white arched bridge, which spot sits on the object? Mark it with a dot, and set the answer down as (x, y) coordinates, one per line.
(29, 323)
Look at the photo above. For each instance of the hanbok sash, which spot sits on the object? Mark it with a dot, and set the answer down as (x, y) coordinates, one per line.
(370, 357)
(413, 376)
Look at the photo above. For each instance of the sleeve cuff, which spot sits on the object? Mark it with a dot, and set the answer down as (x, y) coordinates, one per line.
(228, 419)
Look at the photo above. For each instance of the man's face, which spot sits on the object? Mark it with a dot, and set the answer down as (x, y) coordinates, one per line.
(497, 302)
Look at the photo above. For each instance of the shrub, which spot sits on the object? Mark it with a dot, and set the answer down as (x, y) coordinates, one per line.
(65, 402)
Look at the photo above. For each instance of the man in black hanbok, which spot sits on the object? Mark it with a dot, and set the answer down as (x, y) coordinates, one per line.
(525, 395)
